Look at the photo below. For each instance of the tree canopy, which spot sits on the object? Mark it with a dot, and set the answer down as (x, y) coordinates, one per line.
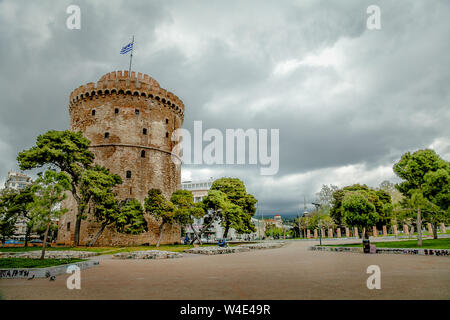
(130, 217)
(325, 197)
(66, 151)
(160, 209)
(358, 210)
(380, 199)
(186, 210)
(49, 191)
(238, 212)
(425, 183)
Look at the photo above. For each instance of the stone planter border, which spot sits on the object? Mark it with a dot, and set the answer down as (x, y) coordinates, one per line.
(147, 254)
(235, 249)
(19, 273)
(66, 254)
(424, 252)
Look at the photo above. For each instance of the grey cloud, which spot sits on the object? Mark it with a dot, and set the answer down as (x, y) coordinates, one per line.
(398, 98)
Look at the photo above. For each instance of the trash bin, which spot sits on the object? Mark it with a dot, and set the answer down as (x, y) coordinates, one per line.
(366, 245)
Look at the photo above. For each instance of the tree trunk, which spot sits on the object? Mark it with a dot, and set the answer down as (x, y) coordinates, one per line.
(44, 245)
(195, 235)
(434, 225)
(77, 229)
(225, 234)
(99, 233)
(27, 236)
(206, 228)
(160, 234)
(78, 217)
(419, 227)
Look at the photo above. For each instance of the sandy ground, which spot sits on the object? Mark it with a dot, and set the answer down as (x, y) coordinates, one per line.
(291, 272)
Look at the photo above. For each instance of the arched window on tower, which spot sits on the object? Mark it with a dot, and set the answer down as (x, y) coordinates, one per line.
(93, 112)
(116, 111)
(136, 112)
(143, 154)
(106, 135)
(144, 131)
(128, 174)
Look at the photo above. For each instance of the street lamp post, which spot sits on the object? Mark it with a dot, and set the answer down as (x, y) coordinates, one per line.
(320, 232)
(318, 205)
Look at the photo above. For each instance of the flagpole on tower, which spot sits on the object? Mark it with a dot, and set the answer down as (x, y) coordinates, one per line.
(131, 57)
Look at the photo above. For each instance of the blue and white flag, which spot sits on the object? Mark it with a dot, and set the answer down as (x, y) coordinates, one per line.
(127, 48)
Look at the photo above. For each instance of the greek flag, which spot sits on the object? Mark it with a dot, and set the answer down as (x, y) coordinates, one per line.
(127, 48)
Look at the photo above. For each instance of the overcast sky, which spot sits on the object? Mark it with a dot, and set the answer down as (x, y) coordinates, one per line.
(348, 101)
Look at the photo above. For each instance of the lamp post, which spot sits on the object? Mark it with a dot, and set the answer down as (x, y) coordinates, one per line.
(319, 224)
(320, 232)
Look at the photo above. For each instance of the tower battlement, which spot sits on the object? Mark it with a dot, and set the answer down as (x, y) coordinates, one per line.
(120, 82)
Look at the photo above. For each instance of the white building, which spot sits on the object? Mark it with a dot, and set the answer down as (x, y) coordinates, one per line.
(18, 181)
(199, 188)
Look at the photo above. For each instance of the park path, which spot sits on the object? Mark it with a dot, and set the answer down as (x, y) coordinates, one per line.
(290, 272)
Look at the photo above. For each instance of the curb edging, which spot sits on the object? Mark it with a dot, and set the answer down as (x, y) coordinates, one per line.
(20, 273)
(422, 252)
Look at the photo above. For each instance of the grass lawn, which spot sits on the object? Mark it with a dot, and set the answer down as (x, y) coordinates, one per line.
(111, 250)
(34, 263)
(23, 249)
(426, 244)
(171, 247)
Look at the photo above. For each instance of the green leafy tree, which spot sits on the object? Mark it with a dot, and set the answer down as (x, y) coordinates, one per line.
(20, 206)
(389, 187)
(325, 197)
(337, 211)
(160, 209)
(49, 191)
(380, 199)
(302, 223)
(359, 212)
(404, 213)
(96, 192)
(412, 169)
(214, 204)
(8, 217)
(273, 231)
(243, 205)
(233, 217)
(327, 222)
(130, 217)
(186, 210)
(296, 227)
(16, 204)
(437, 191)
(66, 151)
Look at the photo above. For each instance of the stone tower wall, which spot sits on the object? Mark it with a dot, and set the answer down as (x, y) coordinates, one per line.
(129, 120)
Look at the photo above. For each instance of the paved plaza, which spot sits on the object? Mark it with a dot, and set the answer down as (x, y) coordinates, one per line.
(290, 272)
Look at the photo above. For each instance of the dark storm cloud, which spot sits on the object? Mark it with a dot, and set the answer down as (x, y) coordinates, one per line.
(348, 101)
